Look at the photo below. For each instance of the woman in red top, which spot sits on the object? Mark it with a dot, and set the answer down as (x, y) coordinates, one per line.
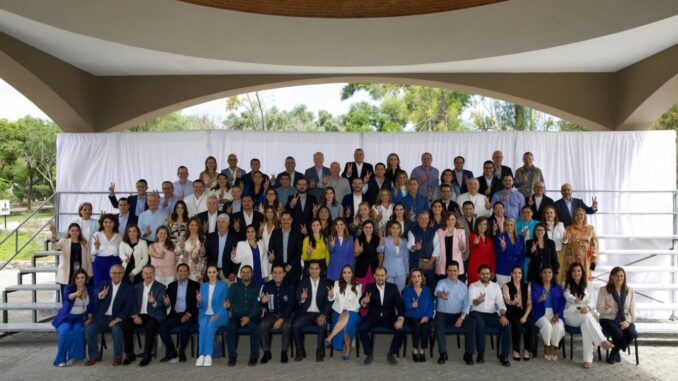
(482, 250)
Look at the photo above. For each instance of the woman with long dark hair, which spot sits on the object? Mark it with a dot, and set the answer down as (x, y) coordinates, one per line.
(106, 243)
(617, 308)
(547, 312)
(345, 294)
(75, 254)
(418, 301)
(518, 308)
(314, 248)
(75, 313)
(365, 253)
(133, 253)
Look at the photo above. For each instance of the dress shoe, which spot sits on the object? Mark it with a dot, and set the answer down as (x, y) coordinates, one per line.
(231, 361)
(391, 359)
(368, 360)
(422, 357)
(468, 358)
(208, 361)
(92, 361)
(617, 358)
(129, 360)
(200, 361)
(252, 362)
(283, 357)
(300, 355)
(117, 361)
(480, 358)
(319, 356)
(442, 358)
(504, 360)
(169, 357)
(415, 357)
(145, 361)
(182, 357)
(266, 357)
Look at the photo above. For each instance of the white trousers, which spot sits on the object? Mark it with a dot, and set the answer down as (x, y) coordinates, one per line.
(550, 333)
(591, 332)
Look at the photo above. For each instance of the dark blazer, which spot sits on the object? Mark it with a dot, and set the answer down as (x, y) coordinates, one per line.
(495, 186)
(203, 217)
(505, 171)
(131, 219)
(367, 167)
(132, 202)
(297, 175)
(373, 189)
(451, 207)
(324, 305)
(212, 251)
(155, 310)
(191, 302)
(294, 244)
(564, 214)
(543, 257)
(246, 180)
(312, 176)
(65, 309)
(257, 220)
(122, 305)
(392, 307)
(300, 217)
(347, 202)
(462, 187)
(545, 201)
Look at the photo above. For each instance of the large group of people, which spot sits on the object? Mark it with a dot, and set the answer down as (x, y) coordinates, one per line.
(342, 252)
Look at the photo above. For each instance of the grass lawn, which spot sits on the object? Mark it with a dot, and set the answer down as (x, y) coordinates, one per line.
(22, 216)
(8, 247)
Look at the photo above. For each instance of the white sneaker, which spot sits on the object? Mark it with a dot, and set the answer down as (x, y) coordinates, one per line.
(61, 364)
(200, 361)
(208, 361)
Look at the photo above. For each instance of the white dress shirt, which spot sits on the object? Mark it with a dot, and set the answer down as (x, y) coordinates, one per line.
(195, 205)
(478, 203)
(313, 307)
(348, 301)
(212, 222)
(144, 299)
(494, 300)
(114, 292)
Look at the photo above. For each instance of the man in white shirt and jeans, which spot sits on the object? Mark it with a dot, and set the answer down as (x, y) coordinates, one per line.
(488, 310)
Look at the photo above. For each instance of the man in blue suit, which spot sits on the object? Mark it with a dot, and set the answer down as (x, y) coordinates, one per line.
(285, 248)
(137, 202)
(114, 301)
(148, 311)
(218, 249)
(566, 206)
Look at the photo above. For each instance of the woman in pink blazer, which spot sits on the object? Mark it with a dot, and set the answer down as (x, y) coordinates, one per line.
(452, 245)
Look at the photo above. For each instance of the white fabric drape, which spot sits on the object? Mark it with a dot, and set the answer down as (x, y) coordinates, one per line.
(591, 161)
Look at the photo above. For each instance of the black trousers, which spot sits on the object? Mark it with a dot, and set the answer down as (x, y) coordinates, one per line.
(267, 324)
(621, 338)
(168, 325)
(372, 321)
(526, 333)
(150, 325)
(302, 320)
(420, 332)
(444, 320)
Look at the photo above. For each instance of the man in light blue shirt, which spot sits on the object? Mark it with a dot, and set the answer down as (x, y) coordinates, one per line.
(182, 187)
(509, 196)
(453, 309)
(427, 176)
(168, 199)
(151, 219)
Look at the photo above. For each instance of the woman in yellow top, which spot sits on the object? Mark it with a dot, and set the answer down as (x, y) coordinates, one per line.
(581, 244)
(315, 249)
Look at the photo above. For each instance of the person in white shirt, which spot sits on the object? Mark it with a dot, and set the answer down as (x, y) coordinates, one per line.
(488, 310)
(481, 203)
(105, 244)
(197, 202)
(346, 297)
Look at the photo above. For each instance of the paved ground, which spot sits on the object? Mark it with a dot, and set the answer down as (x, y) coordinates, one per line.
(29, 357)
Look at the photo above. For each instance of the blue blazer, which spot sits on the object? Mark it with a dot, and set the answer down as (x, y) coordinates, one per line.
(218, 298)
(557, 301)
(425, 303)
(65, 309)
(122, 305)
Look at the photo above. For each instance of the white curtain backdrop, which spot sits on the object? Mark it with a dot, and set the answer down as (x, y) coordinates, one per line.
(595, 163)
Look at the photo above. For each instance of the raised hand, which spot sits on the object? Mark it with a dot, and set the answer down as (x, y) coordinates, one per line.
(349, 169)
(530, 200)
(303, 229)
(347, 212)
(326, 180)
(111, 188)
(271, 256)
(476, 240)
(594, 203)
(481, 298)
(103, 292)
(462, 246)
(366, 299)
(52, 228)
(234, 253)
(151, 298)
(488, 204)
(97, 243)
(236, 224)
(266, 184)
(166, 300)
(312, 184)
(334, 242)
(534, 247)
(542, 297)
(315, 209)
(505, 196)
(330, 292)
(182, 243)
(495, 227)
(198, 296)
(265, 298)
(304, 294)
(502, 243)
(148, 231)
(294, 200)
(382, 239)
(525, 231)
(418, 246)
(229, 209)
(360, 247)
(366, 179)
(415, 302)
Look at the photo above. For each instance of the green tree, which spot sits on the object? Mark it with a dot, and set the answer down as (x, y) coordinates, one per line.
(174, 122)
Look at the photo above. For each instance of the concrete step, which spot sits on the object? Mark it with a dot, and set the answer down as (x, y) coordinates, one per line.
(638, 269)
(26, 327)
(29, 306)
(656, 307)
(657, 328)
(33, 287)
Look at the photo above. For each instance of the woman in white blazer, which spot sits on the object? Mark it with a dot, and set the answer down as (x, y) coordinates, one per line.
(246, 252)
(133, 253)
(87, 224)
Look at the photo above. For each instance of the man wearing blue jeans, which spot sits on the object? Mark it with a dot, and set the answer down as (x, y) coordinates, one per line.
(114, 300)
(488, 310)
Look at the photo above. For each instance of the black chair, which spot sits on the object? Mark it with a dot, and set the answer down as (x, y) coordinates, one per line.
(635, 344)
(450, 330)
(387, 331)
(573, 331)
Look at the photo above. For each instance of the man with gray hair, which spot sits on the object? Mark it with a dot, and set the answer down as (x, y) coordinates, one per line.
(316, 174)
(340, 184)
(209, 217)
(151, 219)
(219, 246)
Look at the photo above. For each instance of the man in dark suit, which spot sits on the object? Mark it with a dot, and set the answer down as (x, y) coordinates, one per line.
(181, 300)
(538, 200)
(285, 246)
(446, 200)
(125, 217)
(314, 175)
(218, 248)
(376, 183)
(357, 168)
(500, 171)
(351, 201)
(247, 216)
(233, 172)
(313, 309)
(301, 206)
(114, 302)
(460, 175)
(566, 206)
(488, 184)
(208, 218)
(135, 201)
(148, 311)
(290, 169)
(255, 166)
(385, 309)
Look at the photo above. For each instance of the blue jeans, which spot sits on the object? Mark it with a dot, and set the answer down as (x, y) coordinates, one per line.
(71, 344)
(208, 329)
(99, 326)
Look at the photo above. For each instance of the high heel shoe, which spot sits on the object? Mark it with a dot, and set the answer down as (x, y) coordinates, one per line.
(328, 343)
(415, 357)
